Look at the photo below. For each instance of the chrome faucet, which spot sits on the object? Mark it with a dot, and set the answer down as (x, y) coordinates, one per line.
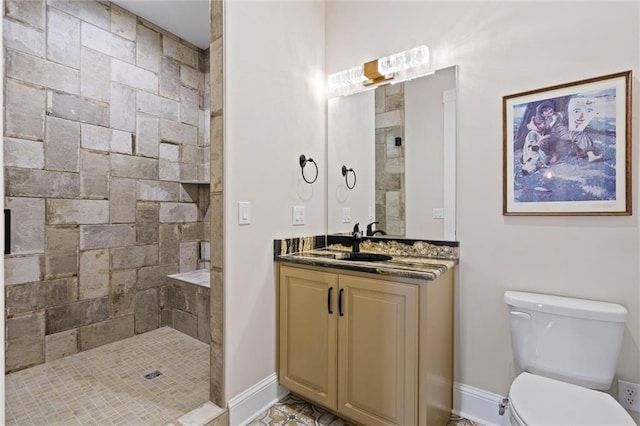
(357, 237)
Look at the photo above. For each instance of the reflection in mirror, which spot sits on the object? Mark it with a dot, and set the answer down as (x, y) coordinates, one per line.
(401, 140)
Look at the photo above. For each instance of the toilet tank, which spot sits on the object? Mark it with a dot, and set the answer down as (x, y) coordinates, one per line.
(572, 340)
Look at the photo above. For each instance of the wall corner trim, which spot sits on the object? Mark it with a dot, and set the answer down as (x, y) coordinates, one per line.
(247, 405)
(478, 405)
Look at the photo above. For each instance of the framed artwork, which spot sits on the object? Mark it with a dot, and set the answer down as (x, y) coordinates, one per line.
(567, 149)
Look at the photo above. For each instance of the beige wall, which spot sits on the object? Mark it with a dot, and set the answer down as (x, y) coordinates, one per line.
(274, 60)
(504, 48)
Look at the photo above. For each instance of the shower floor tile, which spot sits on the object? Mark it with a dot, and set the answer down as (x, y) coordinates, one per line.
(106, 385)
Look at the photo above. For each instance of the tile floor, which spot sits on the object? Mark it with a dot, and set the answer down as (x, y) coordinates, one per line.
(294, 411)
(105, 385)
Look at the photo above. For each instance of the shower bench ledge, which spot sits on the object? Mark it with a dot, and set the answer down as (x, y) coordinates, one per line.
(198, 277)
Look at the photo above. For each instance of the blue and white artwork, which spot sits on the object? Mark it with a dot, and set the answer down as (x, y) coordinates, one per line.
(567, 149)
(564, 148)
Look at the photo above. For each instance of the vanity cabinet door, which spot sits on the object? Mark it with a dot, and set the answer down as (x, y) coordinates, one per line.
(378, 351)
(308, 334)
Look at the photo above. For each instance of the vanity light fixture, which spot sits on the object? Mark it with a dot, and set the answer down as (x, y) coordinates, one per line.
(405, 64)
(346, 78)
(409, 59)
(386, 68)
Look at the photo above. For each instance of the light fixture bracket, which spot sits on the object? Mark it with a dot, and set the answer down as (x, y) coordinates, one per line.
(373, 74)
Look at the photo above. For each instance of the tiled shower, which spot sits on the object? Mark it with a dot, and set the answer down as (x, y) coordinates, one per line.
(106, 148)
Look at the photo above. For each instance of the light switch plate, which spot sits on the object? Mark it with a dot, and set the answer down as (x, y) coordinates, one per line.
(370, 218)
(244, 212)
(298, 215)
(438, 213)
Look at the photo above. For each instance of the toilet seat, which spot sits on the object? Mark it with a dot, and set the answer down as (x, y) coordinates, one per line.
(537, 400)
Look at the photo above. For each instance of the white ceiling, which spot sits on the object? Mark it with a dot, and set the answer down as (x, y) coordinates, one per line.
(188, 19)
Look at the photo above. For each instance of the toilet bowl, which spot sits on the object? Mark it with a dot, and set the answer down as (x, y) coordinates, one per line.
(537, 400)
(567, 349)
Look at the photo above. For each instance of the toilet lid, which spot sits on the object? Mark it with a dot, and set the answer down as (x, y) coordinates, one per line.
(539, 400)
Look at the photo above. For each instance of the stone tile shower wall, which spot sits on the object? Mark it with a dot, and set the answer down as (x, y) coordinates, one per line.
(390, 164)
(216, 366)
(186, 307)
(106, 145)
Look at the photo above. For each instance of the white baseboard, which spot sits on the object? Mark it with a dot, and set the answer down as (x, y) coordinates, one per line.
(471, 403)
(253, 401)
(478, 405)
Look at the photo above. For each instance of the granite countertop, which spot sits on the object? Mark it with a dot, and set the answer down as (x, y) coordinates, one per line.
(413, 259)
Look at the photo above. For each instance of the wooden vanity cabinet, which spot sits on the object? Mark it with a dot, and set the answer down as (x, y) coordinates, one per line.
(361, 344)
(308, 334)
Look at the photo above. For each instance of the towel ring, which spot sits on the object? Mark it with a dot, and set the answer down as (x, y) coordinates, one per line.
(345, 172)
(303, 162)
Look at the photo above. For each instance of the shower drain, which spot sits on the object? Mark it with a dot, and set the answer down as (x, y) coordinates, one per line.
(152, 375)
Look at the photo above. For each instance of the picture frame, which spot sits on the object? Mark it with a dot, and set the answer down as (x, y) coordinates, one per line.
(567, 149)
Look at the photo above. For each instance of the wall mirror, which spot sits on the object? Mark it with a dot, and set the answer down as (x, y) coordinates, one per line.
(400, 141)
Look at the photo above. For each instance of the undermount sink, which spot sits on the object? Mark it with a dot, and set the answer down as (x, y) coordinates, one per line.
(363, 257)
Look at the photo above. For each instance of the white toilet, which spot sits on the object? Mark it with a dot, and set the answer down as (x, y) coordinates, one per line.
(568, 349)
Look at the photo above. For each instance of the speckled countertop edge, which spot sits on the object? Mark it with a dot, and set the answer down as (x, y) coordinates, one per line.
(410, 258)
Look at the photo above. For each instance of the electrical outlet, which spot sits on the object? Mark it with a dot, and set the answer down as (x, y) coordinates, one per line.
(298, 215)
(346, 215)
(629, 395)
